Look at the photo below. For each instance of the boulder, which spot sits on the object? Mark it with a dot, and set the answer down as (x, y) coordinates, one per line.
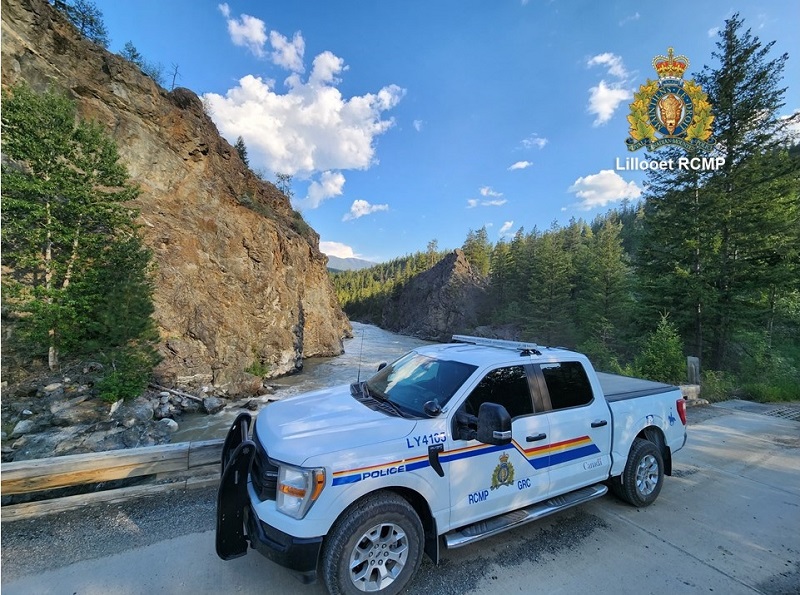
(139, 411)
(213, 405)
(82, 412)
(23, 427)
(170, 424)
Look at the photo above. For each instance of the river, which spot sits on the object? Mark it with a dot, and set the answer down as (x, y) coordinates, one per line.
(369, 347)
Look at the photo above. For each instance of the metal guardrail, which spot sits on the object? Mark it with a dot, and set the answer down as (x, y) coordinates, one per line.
(172, 466)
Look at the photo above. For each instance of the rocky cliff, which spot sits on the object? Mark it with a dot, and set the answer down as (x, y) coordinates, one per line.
(240, 277)
(446, 299)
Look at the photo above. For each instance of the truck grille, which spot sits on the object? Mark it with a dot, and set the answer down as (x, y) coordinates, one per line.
(263, 473)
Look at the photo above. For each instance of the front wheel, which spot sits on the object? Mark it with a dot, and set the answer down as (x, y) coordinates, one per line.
(643, 477)
(375, 547)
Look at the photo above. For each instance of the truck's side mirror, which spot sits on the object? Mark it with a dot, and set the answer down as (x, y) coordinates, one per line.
(381, 366)
(494, 424)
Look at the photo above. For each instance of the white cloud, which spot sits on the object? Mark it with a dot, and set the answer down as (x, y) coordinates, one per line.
(612, 62)
(520, 165)
(713, 31)
(605, 97)
(246, 31)
(534, 140)
(488, 191)
(602, 188)
(505, 228)
(337, 249)
(324, 69)
(418, 125)
(360, 208)
(330, 184)
(629, 19)
(604, 101)
(310, 128)
(474, 202)
(288, 54)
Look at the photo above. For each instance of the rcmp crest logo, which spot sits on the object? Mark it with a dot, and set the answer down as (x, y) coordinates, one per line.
(503, 474)
(670, 111)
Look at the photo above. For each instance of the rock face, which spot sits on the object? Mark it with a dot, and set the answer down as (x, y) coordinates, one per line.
(434, 305)
(240, 278)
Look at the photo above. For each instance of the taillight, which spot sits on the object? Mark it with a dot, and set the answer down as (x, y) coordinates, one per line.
(680, 404)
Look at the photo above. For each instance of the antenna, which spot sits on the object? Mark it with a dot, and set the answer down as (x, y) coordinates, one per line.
(360, 352)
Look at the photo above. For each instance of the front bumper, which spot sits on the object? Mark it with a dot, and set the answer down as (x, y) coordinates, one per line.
(238, 523)
(299, 555)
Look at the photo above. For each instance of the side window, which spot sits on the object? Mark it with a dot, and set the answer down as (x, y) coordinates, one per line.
(505, 386)
(567, 384)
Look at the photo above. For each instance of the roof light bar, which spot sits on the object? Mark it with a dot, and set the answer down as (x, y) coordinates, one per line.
(501, 343)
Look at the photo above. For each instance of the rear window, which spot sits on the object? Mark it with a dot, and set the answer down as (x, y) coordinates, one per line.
(567, 384)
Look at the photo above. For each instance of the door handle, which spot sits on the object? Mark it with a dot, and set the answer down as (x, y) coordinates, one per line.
(536, 438)
(599, 423)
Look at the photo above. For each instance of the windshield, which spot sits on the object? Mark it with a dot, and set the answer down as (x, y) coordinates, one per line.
(415, 379)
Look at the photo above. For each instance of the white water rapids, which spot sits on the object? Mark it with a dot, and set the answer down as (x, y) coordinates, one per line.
(369, 346)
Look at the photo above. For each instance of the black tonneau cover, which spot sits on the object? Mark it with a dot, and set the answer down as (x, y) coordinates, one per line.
(619, 388)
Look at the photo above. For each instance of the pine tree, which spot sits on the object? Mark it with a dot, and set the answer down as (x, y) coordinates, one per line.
(77, 268)
(604, 301)
(478, 250)
(714, 239)
(155, 70)
(129, 52)
(745, 90)
(88, 19)
(241, 149)
(550, 285)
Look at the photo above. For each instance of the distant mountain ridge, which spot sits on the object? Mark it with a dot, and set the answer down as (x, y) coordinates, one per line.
(348, 264)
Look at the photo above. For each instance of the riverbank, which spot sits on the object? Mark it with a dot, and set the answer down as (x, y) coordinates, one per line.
(60, 414)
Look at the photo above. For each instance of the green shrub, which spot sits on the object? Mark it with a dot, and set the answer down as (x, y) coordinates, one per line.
(258, 368)
(717, 386)
(127, 372)
(661, 358)
(774, 389)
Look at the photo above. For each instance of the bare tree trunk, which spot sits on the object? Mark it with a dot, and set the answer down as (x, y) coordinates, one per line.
(52, 352)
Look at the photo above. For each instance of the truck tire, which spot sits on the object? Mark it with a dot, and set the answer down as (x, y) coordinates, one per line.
(375, 546)
(643, 477)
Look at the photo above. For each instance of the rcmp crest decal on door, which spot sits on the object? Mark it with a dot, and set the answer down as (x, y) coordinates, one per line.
(503, 474)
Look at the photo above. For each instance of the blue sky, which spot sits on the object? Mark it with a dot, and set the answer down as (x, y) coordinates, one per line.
(403, 122)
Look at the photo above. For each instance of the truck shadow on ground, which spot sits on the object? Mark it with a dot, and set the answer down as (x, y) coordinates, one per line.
(464, 569)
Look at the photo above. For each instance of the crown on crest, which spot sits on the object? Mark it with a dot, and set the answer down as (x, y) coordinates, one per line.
(670, 66)
(504, 458)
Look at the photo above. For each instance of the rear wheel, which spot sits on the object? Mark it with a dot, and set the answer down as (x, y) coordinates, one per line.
(643, 477)
(374, 547)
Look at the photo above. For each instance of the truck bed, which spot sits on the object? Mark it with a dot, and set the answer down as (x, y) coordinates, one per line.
(620, 388)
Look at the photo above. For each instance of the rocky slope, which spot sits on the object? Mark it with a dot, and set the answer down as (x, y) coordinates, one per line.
(443, 300)
(240, 276)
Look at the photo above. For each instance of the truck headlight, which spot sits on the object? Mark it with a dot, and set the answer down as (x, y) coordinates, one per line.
(298, 489)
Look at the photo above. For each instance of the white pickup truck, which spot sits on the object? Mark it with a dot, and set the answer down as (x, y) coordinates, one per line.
(447, 445)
